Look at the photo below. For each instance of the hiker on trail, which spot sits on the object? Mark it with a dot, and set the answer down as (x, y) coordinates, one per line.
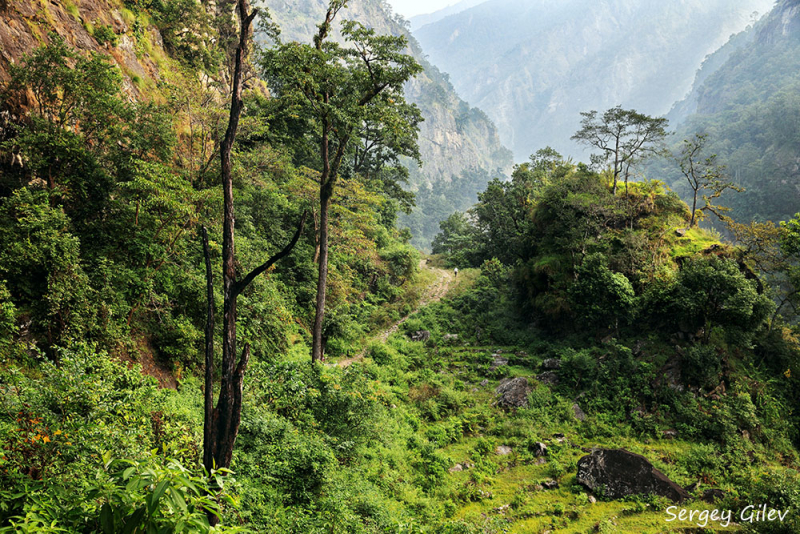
(456, 271)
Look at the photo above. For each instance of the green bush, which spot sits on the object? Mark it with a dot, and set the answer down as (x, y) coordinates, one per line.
(105, 35)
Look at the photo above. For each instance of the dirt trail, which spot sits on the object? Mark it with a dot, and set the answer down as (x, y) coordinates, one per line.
(433, 293)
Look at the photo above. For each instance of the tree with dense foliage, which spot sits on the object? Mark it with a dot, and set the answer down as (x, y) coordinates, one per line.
(624, 136)
(341, 91)
(790, 247)
(600, 296)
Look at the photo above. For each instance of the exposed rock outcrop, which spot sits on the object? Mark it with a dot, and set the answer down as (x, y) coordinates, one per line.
(618, 473)
(513, 392)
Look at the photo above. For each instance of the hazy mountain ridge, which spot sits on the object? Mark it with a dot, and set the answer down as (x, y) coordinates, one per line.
(533, 66)
(419, 21)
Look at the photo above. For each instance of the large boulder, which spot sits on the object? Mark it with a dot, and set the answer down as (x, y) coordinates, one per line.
(513, 392)
(618, 473)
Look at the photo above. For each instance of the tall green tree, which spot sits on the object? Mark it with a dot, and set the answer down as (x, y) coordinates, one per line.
(624, 136)
(343, 92)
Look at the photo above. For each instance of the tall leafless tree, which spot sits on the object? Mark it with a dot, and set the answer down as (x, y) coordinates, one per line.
(221, 423)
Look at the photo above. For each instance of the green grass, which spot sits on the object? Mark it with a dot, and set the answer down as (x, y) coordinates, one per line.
(72, 9)
(695, 240)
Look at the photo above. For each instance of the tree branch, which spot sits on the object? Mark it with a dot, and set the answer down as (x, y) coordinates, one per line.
(243, 283)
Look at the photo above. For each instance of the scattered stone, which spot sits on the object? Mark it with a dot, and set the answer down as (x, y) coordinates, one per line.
(502, 509)
(537, 487)
(558, 435)
(540, 461)
(638, 411)
(551, 364)
(513, 392)
(484, 382)
(621, 473)
(549, 378)
(421, 335)
(712, 495)
(746, 434)
(499, 361)
(579, 414)
(539, 449)
(521, 354)
(550, 484)
(456, 468)
(592, 499)
(485, 494)
(450, 337)
(669, 434)
(670, 374)
(502, 450)
(680, 232)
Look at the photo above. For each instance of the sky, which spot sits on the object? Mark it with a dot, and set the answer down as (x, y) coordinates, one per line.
(409, 8)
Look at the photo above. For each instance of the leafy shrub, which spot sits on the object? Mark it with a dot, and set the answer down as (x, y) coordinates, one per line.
(105, 34)
(702, 366)
(601, 297)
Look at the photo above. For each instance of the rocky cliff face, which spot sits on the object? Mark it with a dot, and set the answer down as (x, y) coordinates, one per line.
(26, 24)
(453, 139)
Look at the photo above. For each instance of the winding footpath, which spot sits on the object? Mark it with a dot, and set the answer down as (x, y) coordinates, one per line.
(433, 293)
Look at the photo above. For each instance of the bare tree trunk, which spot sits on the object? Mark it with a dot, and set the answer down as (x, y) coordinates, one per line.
(617, 165)
(225, 418)
(208, 420)
(694, 209)
(322, 282)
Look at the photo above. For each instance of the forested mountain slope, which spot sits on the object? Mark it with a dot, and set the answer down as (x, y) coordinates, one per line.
(534, 65)
(750, 107)
(454, 138)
